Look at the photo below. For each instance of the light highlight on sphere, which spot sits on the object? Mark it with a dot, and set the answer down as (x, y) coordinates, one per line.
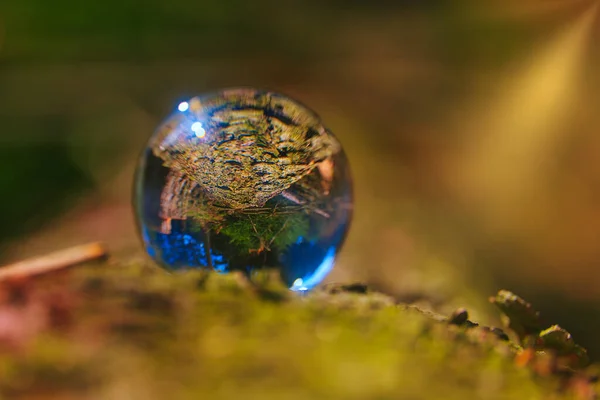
(198, 129)
(183, 106)
(309, 282)
(299, 285)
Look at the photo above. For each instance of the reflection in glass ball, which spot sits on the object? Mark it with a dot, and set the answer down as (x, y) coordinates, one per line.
(244, 179)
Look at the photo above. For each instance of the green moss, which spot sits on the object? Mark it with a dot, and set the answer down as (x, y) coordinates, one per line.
(139, 332)
(254, 232)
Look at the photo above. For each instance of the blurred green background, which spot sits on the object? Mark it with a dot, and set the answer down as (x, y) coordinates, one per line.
(472, 128)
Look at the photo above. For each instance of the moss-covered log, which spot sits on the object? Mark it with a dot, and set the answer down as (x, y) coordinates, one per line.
(117, 330)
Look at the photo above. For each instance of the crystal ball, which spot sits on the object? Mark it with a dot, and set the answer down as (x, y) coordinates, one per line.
(244, 179)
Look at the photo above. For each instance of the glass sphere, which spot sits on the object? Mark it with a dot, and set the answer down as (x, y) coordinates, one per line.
(244, 179)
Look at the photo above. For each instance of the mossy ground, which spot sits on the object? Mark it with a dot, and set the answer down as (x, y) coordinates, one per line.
(131, 331)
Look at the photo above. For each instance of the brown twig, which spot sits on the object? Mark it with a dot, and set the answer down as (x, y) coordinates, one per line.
(54, 261)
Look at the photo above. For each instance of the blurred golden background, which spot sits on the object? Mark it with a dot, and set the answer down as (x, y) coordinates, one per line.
(472, 129)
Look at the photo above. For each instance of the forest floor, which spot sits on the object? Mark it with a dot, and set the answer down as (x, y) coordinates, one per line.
(128, 330)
